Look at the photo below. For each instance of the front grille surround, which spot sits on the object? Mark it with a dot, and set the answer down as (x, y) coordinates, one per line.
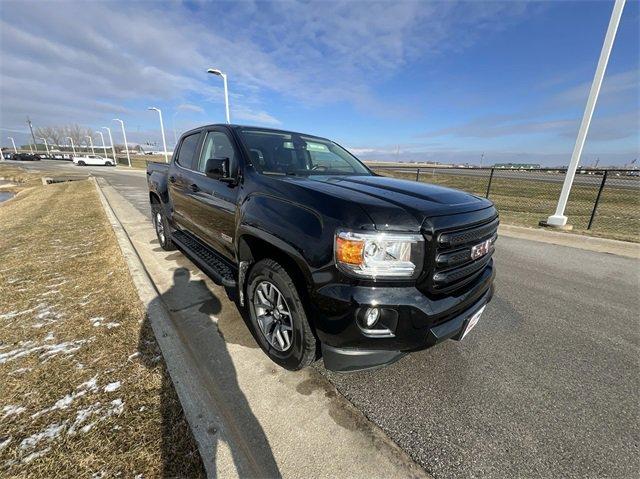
(448, 262)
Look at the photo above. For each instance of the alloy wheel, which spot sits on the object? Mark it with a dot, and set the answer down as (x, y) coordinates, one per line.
(273, 316)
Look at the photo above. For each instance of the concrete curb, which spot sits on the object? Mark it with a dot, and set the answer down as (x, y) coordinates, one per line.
(589, 243)
(329, 438)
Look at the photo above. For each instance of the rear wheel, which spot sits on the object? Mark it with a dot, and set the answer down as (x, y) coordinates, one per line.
(161, 225)
(82, 163)
(108, 163)
(278, 316)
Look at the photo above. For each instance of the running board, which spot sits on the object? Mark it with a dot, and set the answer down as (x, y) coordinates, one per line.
(207, 259)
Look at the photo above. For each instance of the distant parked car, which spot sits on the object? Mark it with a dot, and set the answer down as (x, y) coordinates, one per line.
(6, 155)
(25, 157)
(61, 156)
(93, 160)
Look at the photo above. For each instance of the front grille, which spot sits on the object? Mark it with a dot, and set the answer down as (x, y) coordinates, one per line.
(449, 262)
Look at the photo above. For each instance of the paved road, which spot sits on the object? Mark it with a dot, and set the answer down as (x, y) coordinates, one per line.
(545, 386)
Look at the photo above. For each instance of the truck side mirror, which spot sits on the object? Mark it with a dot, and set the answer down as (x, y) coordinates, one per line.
(217, 168)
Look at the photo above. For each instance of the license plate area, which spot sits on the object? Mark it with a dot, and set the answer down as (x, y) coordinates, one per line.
(472, 321)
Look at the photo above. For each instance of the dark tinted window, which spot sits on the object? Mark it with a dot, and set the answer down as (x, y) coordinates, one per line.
(216, 145)
(281, 152)
(187, 151)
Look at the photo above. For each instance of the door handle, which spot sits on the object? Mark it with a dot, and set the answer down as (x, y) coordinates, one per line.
(172, 179)
(194, 187)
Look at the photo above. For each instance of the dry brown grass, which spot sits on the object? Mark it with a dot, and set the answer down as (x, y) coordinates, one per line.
(84, 387)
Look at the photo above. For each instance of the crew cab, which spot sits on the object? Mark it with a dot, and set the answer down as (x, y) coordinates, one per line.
(327, 258)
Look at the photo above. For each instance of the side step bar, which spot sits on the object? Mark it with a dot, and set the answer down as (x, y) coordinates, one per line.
(207, 259)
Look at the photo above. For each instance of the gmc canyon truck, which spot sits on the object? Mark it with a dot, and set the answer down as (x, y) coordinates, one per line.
(326, 257)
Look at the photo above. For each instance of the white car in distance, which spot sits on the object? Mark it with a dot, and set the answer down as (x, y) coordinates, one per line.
(92, 160)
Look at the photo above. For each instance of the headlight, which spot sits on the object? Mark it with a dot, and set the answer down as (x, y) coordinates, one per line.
(379, 255)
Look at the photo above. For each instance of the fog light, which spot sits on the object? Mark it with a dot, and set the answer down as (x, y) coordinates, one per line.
(372, 316)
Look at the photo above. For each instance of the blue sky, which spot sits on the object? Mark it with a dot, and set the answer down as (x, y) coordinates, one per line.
(443, 81)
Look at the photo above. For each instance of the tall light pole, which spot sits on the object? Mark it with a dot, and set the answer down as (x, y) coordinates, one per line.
(558, 219)
(15, 150)
(214, 71)
(93, 152)
(113, 150)
(126, 147)
(73, 147)
(46, 145)
(104, 147)
(164, 141)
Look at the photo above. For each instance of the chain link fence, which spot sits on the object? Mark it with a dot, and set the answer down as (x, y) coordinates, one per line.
(602, 202)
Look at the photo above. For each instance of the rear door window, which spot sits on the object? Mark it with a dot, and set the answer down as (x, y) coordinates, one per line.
(187, 151)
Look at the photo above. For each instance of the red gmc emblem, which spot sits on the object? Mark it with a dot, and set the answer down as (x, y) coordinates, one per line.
(479, 250)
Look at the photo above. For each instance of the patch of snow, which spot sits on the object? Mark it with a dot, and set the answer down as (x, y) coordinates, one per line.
(90, 385)
(112, 387)
(53, 291)
(47, 351)
(48, 434)
(134, 355)
(4, 442)
(82, 415)
(98, 321)
(36, 454)
(12, 410)
(49, 336)
(20, 371)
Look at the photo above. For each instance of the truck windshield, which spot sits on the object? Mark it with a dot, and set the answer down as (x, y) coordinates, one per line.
(284, 153)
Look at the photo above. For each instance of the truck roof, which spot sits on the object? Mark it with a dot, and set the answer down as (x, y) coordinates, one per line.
(236, 126)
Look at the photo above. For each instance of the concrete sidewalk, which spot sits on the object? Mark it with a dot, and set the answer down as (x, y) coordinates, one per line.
(250, 417)
(572, 240)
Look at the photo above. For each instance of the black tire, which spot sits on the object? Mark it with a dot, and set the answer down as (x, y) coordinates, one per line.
(82, 163)
(161, 226)
(108, 163)
(302, 351)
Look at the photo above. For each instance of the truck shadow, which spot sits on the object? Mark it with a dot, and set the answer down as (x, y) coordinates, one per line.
(192, 303)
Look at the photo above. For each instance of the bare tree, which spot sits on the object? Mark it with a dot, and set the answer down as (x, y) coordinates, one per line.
(53, 134)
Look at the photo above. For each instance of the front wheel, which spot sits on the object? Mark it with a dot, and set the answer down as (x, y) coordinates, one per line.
(161, 225)
(278, 316)
(82, 163)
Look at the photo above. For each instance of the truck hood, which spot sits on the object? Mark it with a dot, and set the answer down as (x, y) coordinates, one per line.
(392, 203)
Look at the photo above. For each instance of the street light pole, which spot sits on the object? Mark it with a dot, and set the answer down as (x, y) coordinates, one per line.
(15, 150)
(104, 147)
(113, 150)
(558, 219)
(73, 147)
(93, 152)
(46, 145)
(216, 72)
(164, 141)
(124, 134)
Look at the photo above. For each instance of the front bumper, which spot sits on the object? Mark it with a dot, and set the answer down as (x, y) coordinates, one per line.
(417, 320)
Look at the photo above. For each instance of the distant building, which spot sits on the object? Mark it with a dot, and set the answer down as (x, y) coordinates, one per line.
(517, 166)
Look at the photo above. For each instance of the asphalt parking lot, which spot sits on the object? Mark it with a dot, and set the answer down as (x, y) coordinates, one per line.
(545, 386)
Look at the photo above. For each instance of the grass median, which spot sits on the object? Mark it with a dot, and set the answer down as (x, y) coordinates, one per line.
(85, 389)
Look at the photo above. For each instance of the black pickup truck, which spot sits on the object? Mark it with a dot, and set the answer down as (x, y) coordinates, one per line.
(326, 257)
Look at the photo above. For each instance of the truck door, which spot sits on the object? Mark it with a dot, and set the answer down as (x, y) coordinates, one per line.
(216, 200)
(179, 180)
